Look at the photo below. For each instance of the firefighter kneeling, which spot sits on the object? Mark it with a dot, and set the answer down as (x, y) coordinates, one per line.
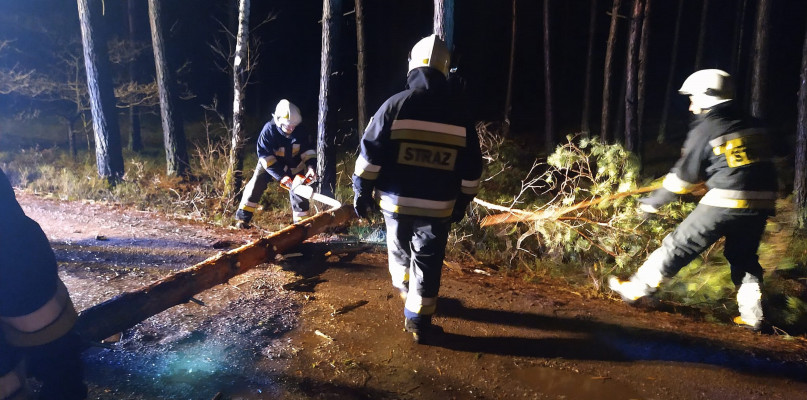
(36, 314)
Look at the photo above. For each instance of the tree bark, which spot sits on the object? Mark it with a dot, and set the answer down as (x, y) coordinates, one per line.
(738, 39)
(71, 139)
(800, 177)
(665, 110)
(643, 61)
(128, 309)
(585, 128)
(702, 35)
(549, 129)
(631, 70)
(327, 122)
(108, 151)
(444, 21)
(235, 168)
(176, 153)
(135, 138)
(508, 98)
(361, 65)
(607, 73)
(759, 64)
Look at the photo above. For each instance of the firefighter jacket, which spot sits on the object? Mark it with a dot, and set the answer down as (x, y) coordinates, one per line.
(35, 307)
(733, 154)
(418, 155)
(282, 155)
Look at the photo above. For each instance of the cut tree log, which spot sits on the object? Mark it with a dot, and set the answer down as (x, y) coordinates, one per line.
(128, 309)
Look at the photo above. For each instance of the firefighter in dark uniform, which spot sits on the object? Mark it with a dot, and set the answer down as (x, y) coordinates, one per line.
(283, 152)
(733, 154)
(420, 162)
(36, 314)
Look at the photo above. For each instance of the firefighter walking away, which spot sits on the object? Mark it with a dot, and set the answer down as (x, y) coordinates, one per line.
(420, 163)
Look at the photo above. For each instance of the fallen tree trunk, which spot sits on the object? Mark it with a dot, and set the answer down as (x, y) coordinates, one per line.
(128, 309)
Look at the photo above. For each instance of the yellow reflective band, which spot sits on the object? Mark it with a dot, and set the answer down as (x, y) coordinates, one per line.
(365, 170)
(470, 187)
(295, 148)
(422, 155)
(248, 208)
(676, 185)
(267, 162)
(742, 148)
(414, 124)
(421, 305)
(409, 210)
(426, 136)
(740, 199)
(58, 328)
(307, 155)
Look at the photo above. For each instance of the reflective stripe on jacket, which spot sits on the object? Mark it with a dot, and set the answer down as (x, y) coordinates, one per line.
(43, 325)
(418, 154)
(733, 154)
(283, 155)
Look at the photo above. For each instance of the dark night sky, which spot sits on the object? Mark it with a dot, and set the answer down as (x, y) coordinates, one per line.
(290, 51)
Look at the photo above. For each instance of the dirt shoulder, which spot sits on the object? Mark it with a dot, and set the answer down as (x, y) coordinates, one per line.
(338, 334)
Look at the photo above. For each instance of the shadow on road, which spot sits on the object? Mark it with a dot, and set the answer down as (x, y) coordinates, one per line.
(596, 340)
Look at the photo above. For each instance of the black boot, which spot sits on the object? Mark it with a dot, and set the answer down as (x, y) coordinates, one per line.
(243, 218)
(58, 366)
(423, 331)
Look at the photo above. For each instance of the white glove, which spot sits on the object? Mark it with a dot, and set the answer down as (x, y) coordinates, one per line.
(648, 208)
(311, 174)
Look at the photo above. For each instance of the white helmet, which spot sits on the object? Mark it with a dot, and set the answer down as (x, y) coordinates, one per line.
(708, 88)
(430, 51)
(287, 116)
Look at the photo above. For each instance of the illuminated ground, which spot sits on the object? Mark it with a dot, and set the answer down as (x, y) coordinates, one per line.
(253, 339)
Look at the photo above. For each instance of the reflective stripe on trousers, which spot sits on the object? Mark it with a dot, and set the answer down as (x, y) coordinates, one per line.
(702, 228)
(253, 191)
(416, 248)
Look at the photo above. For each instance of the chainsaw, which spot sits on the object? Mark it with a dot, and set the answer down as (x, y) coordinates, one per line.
(301, 186)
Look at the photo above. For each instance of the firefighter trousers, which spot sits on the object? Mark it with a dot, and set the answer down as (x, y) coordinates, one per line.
(742, 229)
(257, 185)
(57, 365)
(416, 247)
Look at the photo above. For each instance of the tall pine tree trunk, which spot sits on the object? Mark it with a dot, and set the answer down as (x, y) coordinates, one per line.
(444, 21)
(668, 91)
(585, 127)
(737, 40)
(800, 178)
(607, 73)
(235, 169)
(361, 66)
(702, 35)
(631, 78)
(508, 98)
(327, 122)
(176, 154)
(643, 61)
(549, 129)
(135, 139)
(759, 64)
(108, 151)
